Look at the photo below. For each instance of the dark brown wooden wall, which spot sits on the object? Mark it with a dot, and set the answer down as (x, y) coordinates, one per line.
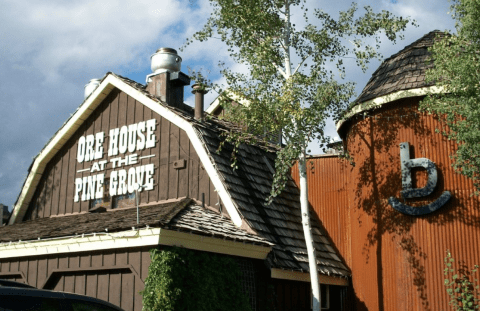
(54, 194)
(101, 275)
(118, 276)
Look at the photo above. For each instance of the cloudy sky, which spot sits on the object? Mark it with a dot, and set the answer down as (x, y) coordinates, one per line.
(50, 49)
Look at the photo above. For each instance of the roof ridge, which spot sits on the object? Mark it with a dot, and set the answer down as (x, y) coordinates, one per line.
(180, 206)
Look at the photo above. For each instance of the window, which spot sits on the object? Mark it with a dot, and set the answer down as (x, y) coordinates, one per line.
(105, 201)
(248, 281)
(125, 200)
(118, 201)
(324, 296)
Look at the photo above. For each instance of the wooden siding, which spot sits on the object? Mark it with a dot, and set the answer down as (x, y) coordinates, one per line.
(54, 194)
(118, 276)
(114, 276)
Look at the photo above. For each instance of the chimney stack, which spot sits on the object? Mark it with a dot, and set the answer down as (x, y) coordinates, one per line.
(199, 91)
(90, 87)
(167, 81)
(4, 214)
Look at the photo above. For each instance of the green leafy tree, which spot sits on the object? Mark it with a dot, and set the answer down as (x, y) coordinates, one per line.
(462, 285)
(292, 84)
(457, 71)
(182, 279)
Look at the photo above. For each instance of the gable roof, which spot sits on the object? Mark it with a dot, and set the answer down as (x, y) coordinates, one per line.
(137, 91)
(215, 105)
(242, 191)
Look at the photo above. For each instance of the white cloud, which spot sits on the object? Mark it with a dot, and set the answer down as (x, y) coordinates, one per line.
(56, 38)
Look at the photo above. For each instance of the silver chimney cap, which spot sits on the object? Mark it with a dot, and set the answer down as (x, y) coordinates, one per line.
(90, 87)
(166, 59)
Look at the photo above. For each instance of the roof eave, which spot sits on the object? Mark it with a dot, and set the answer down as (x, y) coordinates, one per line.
(383, 100)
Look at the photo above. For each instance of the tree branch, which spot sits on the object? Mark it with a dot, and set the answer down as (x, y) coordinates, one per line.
(278, 10)
(303, 60)
(281, 71)
(283, 46)
(288, 72)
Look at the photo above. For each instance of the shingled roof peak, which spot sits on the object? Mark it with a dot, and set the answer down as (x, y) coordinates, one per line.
(401, 71)
(425, 41)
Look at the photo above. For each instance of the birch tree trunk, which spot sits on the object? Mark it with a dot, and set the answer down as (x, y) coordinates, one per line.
(302, 166)
(307, 231)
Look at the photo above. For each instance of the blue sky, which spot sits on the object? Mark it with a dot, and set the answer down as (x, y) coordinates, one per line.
(50, 49)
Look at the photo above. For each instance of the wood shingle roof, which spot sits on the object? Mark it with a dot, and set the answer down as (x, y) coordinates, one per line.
(404, 70)
(278, 222)
(184, 215)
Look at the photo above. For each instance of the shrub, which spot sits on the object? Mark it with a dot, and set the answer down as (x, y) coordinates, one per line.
(462, 285)
(181, 279)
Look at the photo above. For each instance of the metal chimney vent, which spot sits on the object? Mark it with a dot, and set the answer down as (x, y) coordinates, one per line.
(167, 81)
(90, 87)
(165, 59)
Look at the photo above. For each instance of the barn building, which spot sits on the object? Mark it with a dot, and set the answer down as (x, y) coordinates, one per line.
(75, 225)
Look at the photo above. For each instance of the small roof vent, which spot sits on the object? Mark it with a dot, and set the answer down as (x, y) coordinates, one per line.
(90, 87)
(166, 59)
(4, 214)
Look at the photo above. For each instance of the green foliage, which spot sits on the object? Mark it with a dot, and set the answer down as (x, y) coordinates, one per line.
(181, 279)
(462, 285)
(278, 96)
(457, 71)
(294, 79)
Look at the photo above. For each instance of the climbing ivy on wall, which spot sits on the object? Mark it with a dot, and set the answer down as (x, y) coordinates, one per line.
(462, 285)
(181, 279)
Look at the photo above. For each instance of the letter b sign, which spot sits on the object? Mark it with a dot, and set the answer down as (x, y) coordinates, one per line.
(408, 192)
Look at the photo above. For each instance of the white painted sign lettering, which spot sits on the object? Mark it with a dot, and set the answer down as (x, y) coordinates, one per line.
(128, 138)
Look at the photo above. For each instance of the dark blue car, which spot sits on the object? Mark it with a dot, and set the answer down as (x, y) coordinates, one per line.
(16, 296)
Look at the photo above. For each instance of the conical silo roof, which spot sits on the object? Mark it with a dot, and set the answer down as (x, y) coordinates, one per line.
(404, 70)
